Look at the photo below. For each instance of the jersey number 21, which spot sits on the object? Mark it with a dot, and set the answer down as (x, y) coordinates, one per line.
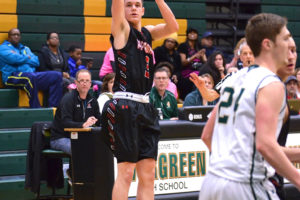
(228, 102)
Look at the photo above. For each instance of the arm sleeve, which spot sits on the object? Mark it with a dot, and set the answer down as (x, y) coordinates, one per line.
(42, 60)
(97, 113)
(34, 60)
(189, 101)
(11, 57)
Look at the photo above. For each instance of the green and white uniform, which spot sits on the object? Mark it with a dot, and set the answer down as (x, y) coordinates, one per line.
(241, 171)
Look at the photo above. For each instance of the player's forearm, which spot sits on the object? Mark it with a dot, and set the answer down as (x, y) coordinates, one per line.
(208, 94)
(207, 132)
(273, 154)
(168, 16)
(293, 154)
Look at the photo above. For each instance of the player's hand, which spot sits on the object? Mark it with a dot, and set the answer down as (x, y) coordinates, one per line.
(197, 80)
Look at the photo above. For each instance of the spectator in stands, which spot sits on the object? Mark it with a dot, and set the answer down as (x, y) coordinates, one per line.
(291, 87)
(162, 99)
(16, 58)
(106, 90)
(108, 65)
(236, 62)
(77, 109)
(297, 74)
(192, 59)
(195, 99)
(168, 53)
(215, 66)
(53, 58)
(207, 42)
(169, 68)
(75, 64)
(246, 55)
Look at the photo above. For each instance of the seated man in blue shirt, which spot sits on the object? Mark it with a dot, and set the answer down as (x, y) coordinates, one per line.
(194, 98)
(18, 65)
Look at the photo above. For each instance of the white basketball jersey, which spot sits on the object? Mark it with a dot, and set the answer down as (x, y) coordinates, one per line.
(234, 155)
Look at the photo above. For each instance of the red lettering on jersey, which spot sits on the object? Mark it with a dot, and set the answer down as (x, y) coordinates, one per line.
(139, 45)
(144, 46)
(147, 59)
(147, 74)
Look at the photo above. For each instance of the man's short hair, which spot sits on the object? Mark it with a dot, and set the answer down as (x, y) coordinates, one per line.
(164, 64)
(262, 26)
(161, 69)
(83, 70)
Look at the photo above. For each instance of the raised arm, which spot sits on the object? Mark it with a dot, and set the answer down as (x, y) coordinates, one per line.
(170, 26)
(119, 25)
(207, 94)
(268, 106)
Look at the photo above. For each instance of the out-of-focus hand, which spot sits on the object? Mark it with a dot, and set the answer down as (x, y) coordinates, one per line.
(78, 62)
(66, 75)
(197, 80)
(174, 78)
(174, 118)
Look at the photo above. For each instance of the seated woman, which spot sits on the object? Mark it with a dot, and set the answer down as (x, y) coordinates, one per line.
(195, 99)
(215, 66)
(106, 90)
(53, 58)
(192, 59)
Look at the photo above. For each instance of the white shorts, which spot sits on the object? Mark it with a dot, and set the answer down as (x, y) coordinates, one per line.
(218, 188)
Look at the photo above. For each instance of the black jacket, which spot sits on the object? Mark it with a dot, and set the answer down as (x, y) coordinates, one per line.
(72, 112)
(45, 63)
(39, 167)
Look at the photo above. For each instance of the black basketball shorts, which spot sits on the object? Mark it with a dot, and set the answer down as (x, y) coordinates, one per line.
(131, 129)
